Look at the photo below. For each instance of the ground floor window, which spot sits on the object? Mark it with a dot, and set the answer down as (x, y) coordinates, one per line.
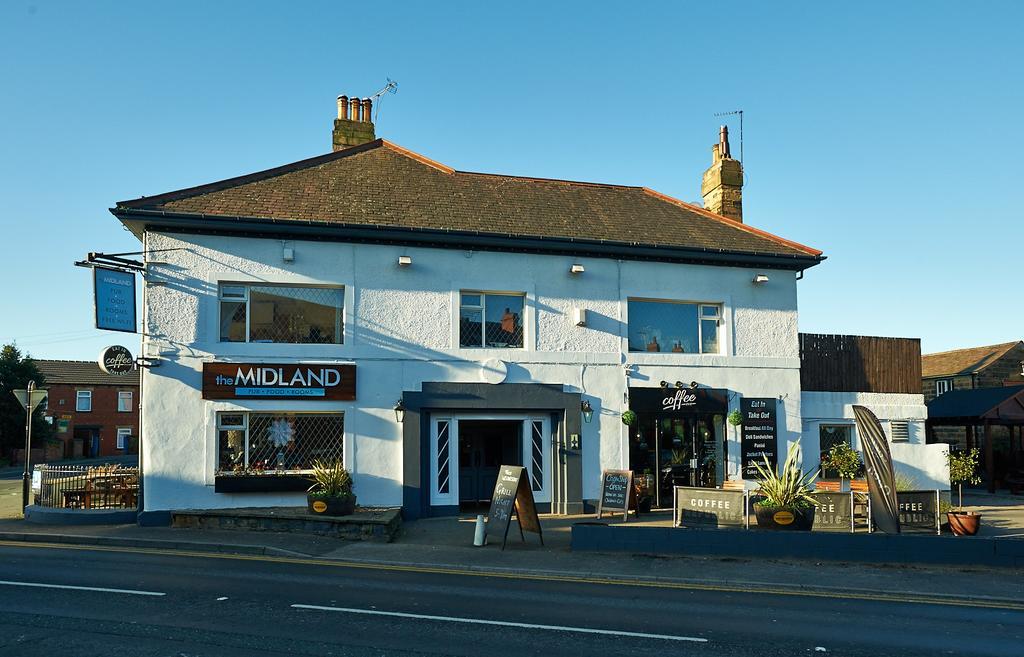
(830, 435)
(123, 434)
(286, 443)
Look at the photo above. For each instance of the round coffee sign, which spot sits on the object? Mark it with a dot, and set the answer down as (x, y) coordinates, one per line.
(116, 360)
(319, 506)
(784, 517)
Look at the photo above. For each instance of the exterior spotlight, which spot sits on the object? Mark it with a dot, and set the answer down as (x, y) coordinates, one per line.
(760, 279)
(576, 269)
(693, 385)
(679, 385)
(404, 261)
(587, 410)
(399, 411)
(664, 384)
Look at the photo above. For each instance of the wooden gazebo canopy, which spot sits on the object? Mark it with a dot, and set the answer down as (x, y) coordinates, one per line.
(985, 407)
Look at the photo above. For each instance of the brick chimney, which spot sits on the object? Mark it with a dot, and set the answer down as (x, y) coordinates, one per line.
(722, 187)
(353, 125)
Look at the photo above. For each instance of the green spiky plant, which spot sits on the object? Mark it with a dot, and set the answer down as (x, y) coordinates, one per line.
(331, 479)
(790, 488)
(963, 467)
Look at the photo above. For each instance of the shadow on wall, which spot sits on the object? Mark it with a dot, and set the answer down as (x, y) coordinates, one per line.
(924, 466)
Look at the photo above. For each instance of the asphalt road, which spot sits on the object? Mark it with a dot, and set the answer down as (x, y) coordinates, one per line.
(142, 603)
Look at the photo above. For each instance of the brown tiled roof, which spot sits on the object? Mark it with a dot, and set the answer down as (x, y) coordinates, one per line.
(383, 185)
(963, 361)
(82, 372)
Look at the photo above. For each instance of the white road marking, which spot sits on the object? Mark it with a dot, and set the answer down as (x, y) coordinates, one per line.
(480, 621)
(79, 588)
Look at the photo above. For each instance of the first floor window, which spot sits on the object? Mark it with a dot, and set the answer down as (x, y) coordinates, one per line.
(674, 326)
(943, 385)
(123, 433)
(124, 401)
(83, 401)
(491, 319)
(281, 314)
(830, 435)
(254, 443)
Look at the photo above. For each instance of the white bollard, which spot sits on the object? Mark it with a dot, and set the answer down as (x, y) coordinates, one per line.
(479, 538)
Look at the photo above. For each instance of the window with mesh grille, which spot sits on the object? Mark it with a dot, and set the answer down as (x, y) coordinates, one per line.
(674, 326)
(491, 319)
(285, 443)
(281, 314)
(899, 431)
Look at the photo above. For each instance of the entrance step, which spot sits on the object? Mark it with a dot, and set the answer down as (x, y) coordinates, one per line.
(380, 525)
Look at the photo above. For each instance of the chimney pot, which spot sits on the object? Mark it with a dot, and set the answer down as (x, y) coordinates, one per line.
(354, 104)
(723, 140)
(342, 107)
(367, 110)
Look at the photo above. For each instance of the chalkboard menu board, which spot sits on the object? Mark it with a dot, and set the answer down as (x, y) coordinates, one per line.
(512, 495)
(709, 507)
(760, 433)
(616, 492)
(918, 510)
(834, 512)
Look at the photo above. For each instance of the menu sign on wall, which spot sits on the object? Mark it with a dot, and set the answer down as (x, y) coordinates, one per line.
(760, 433)
(278, 381)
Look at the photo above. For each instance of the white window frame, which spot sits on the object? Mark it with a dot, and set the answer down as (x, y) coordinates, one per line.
(943, 386)
(123, 433)
(220, 425)
(339, 326)
(483, 316)
(719, 316)
(83, 395)
(121, 396)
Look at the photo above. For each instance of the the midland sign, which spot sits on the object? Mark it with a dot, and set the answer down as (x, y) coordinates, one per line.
(279, 381)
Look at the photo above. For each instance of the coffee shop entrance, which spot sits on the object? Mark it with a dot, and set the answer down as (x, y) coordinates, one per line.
(677, 440)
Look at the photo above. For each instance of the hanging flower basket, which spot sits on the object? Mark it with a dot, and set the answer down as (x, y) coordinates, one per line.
(735, 418)
(629, 418)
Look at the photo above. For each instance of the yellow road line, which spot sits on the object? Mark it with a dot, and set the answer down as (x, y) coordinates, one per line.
(573, 579)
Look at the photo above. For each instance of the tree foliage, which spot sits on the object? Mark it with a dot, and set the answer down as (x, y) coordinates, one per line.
(16, 370)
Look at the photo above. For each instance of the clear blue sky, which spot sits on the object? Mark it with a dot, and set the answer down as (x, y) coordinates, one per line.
(886, 135)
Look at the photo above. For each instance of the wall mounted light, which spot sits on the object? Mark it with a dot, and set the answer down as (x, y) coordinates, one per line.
(693, 385)
(587, 410)
(399, 411)
(288, 254)
(679, 385)
(576, 269)
(579, 316)
(664, 384)
(760, 279)
(404, 261)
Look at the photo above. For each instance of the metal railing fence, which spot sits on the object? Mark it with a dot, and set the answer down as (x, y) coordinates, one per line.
(87, 487)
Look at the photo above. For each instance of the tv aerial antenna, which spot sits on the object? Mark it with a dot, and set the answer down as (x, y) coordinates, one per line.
(390, 88)
(740, 114)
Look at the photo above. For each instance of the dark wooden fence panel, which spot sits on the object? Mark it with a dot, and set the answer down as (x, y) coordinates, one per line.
(857, 363)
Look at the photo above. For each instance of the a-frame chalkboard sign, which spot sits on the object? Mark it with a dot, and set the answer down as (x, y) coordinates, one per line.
(617, 493)
(512, 494)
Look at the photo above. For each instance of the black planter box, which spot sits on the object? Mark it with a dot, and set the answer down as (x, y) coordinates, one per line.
(286, 483)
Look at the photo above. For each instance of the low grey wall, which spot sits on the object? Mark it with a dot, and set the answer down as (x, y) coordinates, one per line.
(870, 548)
(50, 516)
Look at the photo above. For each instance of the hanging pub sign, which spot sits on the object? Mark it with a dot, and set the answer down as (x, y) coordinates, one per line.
(335, 382)
(684, 401)
(760, 433)
(709, 507)
(114, 298)
(512, 495)
(617, 494)
(116, 360)
(918, 510)
(833, 512)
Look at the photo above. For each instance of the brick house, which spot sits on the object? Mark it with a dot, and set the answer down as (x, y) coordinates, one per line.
(975, 367)
(93, 413)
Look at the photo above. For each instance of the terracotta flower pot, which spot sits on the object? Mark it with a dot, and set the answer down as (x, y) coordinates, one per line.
(963, 523)
(331, 506)
(784, 519)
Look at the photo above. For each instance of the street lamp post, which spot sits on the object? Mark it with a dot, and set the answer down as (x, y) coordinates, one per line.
(26, 483)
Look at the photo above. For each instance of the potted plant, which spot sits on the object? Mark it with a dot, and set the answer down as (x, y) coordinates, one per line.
(331, 493)
(845, 462)
(629, 418)
(785, 497)
(963, 467)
